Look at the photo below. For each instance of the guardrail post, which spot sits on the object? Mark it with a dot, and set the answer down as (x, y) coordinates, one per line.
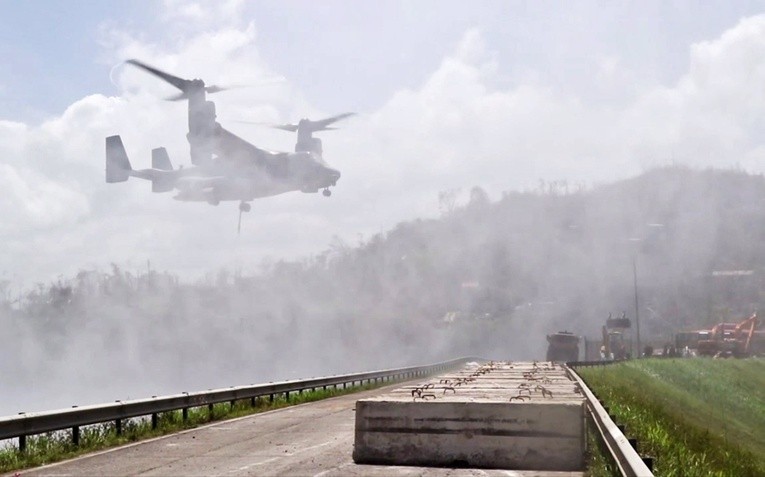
(612, 435)
(252, 401)
(233, 403)
(287, 396)
(117, 414)
(633, 442)
(648, 461)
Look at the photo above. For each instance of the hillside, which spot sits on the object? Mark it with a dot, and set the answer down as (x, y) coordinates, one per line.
(486, 278)
(561, 259)
(696, 417)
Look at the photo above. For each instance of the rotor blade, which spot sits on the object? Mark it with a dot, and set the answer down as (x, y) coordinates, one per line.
(180, 83)
(177, 97)
(208, 89)
(286, 127)
(218, 89)
(313, 126)
(322, 124)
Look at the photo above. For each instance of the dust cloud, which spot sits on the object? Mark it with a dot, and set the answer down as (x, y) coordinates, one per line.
(486, 278)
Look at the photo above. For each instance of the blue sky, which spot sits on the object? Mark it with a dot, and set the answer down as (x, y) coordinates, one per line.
(55, 54)
(450, 95)
(52, 53)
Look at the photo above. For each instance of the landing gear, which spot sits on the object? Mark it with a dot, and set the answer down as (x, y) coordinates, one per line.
(243, 207)
(326, 192)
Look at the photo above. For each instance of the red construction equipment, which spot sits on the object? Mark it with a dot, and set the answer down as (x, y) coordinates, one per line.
(728, 339)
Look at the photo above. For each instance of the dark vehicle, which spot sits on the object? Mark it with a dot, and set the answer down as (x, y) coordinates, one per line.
(562, 346)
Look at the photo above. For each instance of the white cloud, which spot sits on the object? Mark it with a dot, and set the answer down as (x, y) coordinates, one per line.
(202, 13)
(456, 130)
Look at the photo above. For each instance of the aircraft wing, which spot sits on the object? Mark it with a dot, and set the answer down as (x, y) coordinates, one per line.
(236, 152)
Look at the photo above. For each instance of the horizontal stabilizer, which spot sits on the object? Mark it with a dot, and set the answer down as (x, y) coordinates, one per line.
(117, 163)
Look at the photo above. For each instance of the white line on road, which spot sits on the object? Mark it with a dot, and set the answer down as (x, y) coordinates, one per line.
(333, 469)
(286, 454)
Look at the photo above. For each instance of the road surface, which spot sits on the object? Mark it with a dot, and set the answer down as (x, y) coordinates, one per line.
(313, 439)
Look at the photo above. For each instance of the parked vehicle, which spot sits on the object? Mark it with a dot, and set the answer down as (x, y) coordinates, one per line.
(730, 339)
(562, 346)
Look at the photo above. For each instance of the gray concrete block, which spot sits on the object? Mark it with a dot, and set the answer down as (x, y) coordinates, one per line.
(477, 425)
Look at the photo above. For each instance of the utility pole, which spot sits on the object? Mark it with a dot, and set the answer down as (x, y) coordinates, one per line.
(637, 312)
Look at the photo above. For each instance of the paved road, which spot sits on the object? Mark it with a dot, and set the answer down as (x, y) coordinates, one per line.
(313, 439)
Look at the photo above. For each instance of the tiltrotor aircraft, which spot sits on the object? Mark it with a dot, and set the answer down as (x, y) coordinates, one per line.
(226, 167)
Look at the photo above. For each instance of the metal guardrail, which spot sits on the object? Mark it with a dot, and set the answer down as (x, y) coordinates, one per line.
(621, 449)
(589, 364)
(27, 424)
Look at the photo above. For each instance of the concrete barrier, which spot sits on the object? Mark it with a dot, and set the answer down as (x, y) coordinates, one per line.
(522, 416)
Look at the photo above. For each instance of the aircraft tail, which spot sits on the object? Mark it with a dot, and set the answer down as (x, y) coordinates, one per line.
(161, 161)
(117, 163)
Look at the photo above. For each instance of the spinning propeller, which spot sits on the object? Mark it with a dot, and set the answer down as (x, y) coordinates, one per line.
(189, 87)
(305, 125)
(313, 126)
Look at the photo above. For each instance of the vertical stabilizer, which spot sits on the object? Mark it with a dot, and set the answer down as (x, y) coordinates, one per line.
(161, 182)
(117, 163)
(160, 159)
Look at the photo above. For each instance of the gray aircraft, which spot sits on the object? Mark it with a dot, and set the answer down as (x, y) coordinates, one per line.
(225, 166)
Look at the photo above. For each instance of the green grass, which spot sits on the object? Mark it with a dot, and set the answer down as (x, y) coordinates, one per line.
(598, 462)
(56, 446)
(695, 417)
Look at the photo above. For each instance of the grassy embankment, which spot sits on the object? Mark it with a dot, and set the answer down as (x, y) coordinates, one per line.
(56, 446)
(696, 417)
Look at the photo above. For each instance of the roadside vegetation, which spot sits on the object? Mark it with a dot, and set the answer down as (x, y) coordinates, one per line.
(56, 446)
(598, 461)
(695, 417)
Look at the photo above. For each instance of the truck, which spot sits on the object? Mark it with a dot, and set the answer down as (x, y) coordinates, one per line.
(562, 346)
(613, 345)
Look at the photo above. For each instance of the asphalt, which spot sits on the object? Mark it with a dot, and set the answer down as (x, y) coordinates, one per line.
(314, 439)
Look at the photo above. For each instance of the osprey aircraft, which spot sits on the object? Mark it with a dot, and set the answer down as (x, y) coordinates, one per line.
(225, 166)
